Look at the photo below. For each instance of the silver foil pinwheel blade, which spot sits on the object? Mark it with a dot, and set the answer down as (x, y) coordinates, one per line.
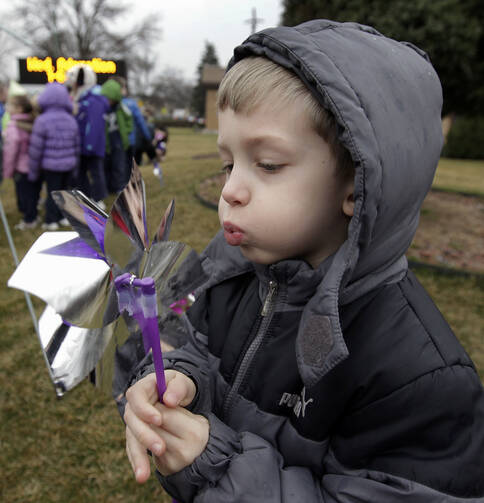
(69, 276)
(163, 231)
(71, 352)
(85, 216)
(176, 270)
(126, 233)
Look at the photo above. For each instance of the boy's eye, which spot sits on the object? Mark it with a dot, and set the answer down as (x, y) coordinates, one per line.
(269, 167)
(227, 168)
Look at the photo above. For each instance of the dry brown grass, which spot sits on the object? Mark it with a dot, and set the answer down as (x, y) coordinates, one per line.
(451, 232)
(73, 449)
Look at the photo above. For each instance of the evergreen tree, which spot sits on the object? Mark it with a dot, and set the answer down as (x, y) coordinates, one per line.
(450, 31)
(209, 56)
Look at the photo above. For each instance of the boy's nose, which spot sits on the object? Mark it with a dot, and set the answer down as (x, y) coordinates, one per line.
(235, 190)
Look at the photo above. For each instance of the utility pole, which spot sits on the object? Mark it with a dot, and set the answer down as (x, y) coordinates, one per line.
(254, 21)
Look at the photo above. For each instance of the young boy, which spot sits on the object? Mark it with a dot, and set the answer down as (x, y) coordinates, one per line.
(317, 369)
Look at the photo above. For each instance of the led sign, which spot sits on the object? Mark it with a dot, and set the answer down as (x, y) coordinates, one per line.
(34, 70)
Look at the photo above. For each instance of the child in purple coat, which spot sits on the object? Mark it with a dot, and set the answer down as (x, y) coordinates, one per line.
(54, 148)
(16, 160)
(90, 110)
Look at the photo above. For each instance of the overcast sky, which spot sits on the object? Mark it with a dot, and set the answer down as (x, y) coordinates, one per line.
(187, 24)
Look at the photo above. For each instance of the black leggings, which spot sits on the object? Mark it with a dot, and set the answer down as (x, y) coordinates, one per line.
(55, 180)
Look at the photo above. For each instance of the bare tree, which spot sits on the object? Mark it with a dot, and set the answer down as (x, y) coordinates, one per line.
(143, 79)
(8, 45)
(171, 89)
(85, 28)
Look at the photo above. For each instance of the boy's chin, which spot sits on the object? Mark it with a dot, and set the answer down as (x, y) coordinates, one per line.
(259, 256)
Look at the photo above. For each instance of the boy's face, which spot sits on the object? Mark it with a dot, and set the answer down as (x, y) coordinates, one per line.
(282, 198)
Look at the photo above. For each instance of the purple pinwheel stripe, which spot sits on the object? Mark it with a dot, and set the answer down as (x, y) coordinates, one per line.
(97, 224)
(74, 248)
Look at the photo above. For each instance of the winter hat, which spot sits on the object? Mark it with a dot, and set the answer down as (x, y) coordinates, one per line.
(80, 78)
(112, 90)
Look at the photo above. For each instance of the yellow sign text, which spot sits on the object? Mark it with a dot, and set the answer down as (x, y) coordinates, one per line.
(58, 72)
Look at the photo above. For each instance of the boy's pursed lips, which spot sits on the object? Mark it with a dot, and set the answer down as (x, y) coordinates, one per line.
(233, 235)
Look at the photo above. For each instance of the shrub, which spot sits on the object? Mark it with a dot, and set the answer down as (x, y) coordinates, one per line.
(169, 122)
(466, 138)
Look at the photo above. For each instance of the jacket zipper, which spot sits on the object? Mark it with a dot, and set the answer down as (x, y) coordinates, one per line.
(266, 315)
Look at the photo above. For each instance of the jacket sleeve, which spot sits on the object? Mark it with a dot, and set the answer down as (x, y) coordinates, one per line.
(36, 149)
(11, 149)
(140, 121)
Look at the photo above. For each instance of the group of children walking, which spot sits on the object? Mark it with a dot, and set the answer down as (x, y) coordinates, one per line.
(74, 135)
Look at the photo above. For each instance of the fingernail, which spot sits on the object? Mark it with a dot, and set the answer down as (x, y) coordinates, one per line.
(157, 449)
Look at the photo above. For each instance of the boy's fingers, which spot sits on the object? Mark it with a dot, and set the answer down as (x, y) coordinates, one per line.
(142, 432)
(173, 459)
(138, 458)
(182, 423)
(185, 436)
(141, 398)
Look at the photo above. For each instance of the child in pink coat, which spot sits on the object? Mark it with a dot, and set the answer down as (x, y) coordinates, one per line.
(16, 159)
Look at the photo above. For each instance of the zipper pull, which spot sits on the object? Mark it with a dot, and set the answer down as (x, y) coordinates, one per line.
(269, 297)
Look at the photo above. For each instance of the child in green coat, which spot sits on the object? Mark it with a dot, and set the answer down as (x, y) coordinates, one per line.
(119, 124)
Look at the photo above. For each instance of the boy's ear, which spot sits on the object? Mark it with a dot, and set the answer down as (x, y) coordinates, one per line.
(349, 200)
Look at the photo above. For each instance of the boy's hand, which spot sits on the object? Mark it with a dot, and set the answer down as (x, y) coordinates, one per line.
(141, 415)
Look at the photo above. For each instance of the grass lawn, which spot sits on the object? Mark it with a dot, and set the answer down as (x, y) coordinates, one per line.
(73, 449)
(461, 175)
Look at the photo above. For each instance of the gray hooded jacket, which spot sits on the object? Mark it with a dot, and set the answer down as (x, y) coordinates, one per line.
(349, 386)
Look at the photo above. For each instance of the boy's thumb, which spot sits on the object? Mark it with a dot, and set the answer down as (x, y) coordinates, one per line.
(178, 390)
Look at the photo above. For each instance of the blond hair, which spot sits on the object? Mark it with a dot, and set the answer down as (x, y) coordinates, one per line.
(255, 80)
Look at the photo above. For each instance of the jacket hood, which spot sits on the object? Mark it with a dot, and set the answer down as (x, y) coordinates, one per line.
(387, 99)
(112, 90)
(80, 78)
(55, 96)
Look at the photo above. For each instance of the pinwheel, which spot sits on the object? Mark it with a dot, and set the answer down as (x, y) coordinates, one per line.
(88, 277)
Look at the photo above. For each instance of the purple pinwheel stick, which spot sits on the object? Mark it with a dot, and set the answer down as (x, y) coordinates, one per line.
(138, 297)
